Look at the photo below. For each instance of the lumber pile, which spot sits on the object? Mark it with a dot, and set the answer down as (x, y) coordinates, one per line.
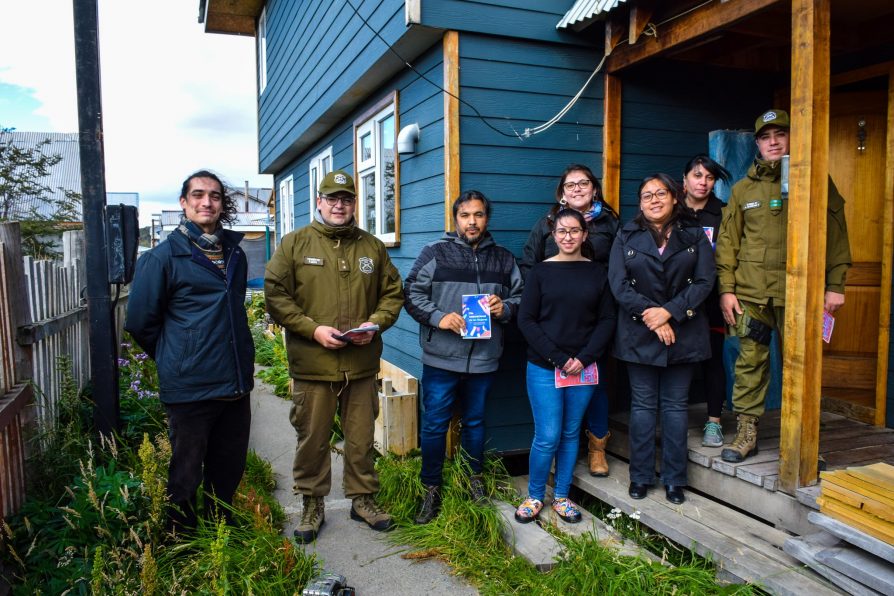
(855, 547)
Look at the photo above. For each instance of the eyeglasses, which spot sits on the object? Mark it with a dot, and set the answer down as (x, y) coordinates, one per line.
(581, 184)
(332, 201)
(573, 232)
(647, 197)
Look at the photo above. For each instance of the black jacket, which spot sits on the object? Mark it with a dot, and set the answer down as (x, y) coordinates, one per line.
(541, 245)
(191, 319)
(705, 218)
(678, 280)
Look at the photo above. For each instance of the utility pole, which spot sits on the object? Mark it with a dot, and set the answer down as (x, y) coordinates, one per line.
(103, 351)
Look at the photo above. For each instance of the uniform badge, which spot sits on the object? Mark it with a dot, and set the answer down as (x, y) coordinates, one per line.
(769, 116)
(340, 179)
(775, 203)
(366, 265)
(751, 205)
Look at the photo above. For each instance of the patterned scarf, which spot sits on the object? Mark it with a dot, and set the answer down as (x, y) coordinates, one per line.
(201, 239)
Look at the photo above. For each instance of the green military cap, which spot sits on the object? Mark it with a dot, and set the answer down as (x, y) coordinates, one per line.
(337, 181)
(771, 118)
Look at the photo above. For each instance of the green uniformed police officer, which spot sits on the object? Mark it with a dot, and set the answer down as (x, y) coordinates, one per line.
(751, 259)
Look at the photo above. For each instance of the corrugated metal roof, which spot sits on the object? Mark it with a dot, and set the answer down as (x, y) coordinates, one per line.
(66, 174)
(587, 10)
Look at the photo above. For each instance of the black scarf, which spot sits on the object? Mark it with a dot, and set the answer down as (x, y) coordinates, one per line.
(197, 236)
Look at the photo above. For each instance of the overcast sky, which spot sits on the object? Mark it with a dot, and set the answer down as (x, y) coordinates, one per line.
(175, 99)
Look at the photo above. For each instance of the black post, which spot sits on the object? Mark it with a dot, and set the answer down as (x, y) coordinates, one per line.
(103, 351)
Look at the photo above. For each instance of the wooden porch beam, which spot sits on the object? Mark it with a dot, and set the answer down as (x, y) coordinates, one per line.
(451, 126)
(614, 32)
(884, 327)
(806, 267)
(611, 142)
(640, 15)
(686, 28)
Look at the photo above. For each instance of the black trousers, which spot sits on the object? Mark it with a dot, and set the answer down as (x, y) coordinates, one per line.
(209, 444)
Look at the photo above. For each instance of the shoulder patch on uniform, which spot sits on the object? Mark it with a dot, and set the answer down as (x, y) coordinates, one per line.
(751, 205)
(366, 265)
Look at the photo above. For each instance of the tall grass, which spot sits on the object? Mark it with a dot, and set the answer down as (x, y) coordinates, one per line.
(467, 537)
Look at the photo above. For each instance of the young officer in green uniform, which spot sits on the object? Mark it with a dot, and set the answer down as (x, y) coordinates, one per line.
(751, 259)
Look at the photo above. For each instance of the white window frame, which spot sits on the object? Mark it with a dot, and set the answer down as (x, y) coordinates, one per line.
(369, 124)
(262, 51)
(286, 206)
(320, 165)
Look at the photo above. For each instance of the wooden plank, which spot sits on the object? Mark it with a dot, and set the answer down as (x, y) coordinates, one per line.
(611, 142)
(529, 541)
(807, 549)
(874, 527)
(731, 469)
(859, 456)
(745, 548)
(882, 508)
(880, 474)
(884, 319)
(852, 535)
(849, 370)
(860, 566)
(697, 23)
(805, 271)
(756, 473)
(451, 126)
(614, 32)
(882, 69)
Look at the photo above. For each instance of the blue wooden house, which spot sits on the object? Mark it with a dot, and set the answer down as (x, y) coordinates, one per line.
(335, 91)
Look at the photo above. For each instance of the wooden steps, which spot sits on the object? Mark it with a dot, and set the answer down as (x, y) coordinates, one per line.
(747, 550)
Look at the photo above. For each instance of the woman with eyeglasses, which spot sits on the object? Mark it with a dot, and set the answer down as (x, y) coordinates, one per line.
(566, 331)
(699, 177)
(579, 189)
(661, 271)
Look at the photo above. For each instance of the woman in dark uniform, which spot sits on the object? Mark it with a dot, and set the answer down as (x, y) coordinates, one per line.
(699, 177)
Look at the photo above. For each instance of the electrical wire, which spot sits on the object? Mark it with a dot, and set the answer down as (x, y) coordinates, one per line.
(422, 76)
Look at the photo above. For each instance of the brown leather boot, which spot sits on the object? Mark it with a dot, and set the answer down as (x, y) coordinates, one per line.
(598, 463)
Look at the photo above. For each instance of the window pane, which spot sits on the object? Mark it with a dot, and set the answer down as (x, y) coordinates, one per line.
(386, 150)
(366, 148)
(314, 182)
(369, 201)
(325, 165)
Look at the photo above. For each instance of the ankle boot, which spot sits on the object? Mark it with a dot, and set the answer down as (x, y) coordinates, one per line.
(431, 505)
(745, 443)
(597, 461)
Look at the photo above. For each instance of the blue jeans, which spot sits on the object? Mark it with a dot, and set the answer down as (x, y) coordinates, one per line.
(441, 389)
(558, 414)
(597, 411)
(653, 388)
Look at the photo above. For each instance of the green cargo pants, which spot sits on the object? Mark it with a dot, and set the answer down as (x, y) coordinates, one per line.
(752, 372)
(314, 404)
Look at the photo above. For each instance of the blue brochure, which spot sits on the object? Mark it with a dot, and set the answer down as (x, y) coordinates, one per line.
(476, 314)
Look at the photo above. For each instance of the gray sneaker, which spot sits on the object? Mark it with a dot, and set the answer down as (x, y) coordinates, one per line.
(312, 517)
(713, 436)
(364, 508)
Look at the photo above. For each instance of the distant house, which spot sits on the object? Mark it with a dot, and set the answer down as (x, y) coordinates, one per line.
(333, 94)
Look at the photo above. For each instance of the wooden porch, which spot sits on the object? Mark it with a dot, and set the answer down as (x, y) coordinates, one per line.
(753, 485)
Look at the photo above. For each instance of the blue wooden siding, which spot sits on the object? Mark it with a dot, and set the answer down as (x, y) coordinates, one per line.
(665, 121)
(315, 52)
(526, 19)
(518, 84)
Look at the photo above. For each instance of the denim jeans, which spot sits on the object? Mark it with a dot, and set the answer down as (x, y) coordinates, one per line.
(441, 389)
(653, 388)
(558, 414)
(597, 412)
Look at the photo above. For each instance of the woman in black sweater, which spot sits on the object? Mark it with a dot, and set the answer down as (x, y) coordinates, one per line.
(567, 316)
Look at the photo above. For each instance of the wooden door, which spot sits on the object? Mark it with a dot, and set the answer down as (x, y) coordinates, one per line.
(851, 364)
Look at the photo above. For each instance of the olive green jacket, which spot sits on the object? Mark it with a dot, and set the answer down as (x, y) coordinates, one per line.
(341, 277)
(751, 245)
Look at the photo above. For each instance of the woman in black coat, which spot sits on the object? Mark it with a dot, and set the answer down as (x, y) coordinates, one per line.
(579, 189)
(661, 270)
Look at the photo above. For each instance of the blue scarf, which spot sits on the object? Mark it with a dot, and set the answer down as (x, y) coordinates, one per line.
(200, 238)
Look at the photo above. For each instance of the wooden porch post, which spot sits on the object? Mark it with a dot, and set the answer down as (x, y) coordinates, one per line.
(611, 142)
(805, 273)
(451, 126)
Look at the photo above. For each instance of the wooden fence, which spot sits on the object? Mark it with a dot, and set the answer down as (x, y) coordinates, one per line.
(43, 317)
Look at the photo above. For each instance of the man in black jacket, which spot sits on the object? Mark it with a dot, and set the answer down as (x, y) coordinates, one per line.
(186, 309)
(464, 262)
